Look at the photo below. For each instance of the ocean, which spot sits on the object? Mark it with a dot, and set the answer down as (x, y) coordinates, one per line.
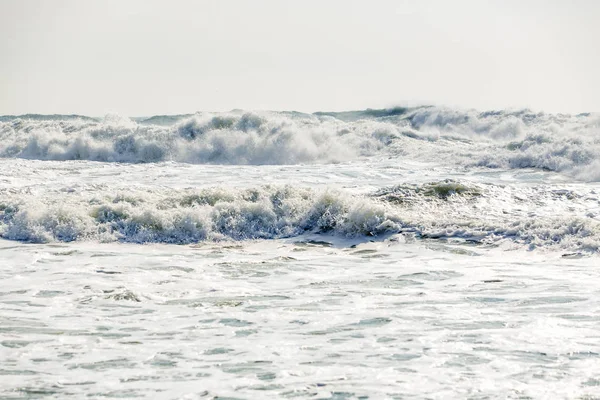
(405, 253)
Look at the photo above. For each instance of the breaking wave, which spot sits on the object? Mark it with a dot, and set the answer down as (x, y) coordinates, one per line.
(191, 216)
(231, 138)
(447, 210)
(472, 139)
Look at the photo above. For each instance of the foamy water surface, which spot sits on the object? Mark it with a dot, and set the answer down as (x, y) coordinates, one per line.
(406, 253)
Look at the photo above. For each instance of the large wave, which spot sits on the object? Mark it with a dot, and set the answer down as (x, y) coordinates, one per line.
(227, 138)
(187, 216)
(534, 217)
(494, 139)
(515, 139)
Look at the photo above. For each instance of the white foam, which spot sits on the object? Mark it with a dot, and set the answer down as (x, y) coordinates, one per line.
(231, 138)
(455, 138)
(190, 216)
(512, 216)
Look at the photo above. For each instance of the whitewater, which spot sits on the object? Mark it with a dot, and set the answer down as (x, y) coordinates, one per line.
(406, 253)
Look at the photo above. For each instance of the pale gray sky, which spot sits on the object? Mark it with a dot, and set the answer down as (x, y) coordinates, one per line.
(143, 57)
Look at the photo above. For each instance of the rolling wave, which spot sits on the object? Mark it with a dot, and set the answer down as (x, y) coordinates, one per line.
(472, 139)
(189, 216)
(231, 138)
(514, 217)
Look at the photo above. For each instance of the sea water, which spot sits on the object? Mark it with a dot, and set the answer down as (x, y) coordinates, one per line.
(404, 253)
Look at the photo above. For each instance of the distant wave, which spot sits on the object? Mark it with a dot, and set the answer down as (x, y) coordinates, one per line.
(494, 139)
(47, 117)
(230, 138)
(368, 113)
(516, 217)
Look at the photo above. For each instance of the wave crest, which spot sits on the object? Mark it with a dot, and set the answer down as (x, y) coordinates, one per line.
(493, 139)
(230, 138)
(448, 210)
(211, 214)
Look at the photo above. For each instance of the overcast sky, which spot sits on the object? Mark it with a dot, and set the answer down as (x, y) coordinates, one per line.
(144, 57)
